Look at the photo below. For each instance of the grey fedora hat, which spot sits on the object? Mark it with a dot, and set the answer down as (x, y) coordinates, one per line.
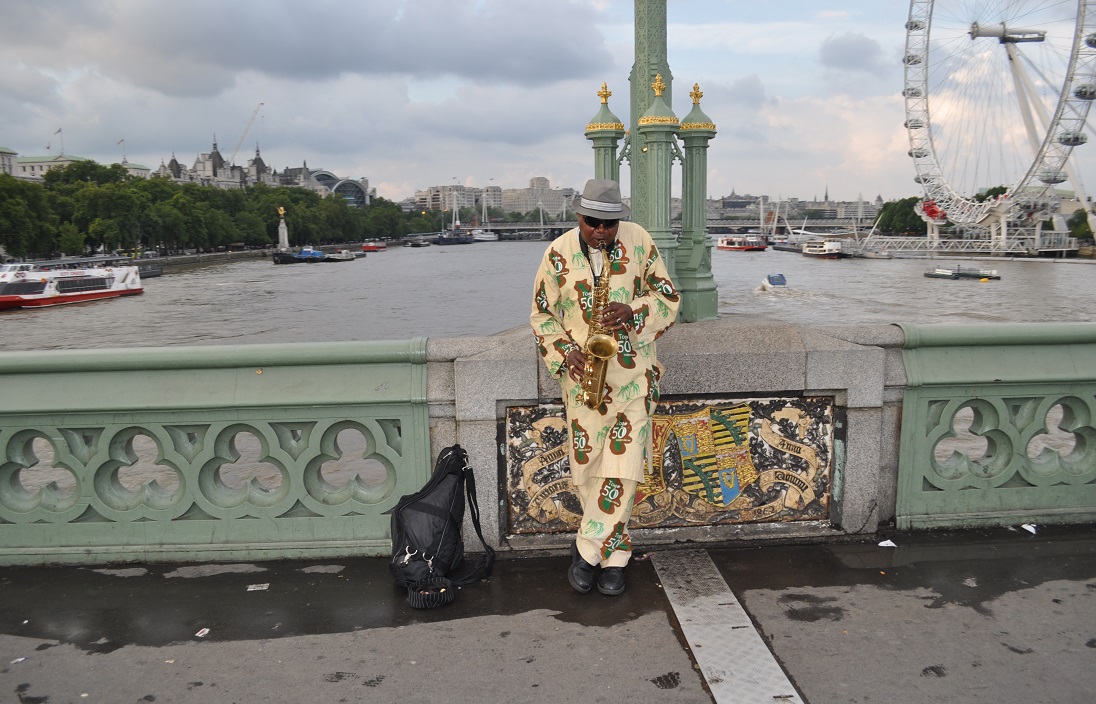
(601, 199)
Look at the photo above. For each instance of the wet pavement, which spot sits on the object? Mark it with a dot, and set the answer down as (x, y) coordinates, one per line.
(998, 615)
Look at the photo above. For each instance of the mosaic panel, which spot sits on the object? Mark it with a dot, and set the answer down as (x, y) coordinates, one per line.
(717, 462)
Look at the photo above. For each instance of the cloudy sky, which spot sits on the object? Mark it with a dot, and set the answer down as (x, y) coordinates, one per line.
(412, 93)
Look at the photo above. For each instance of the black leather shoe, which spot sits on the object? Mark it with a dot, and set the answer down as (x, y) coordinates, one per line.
(581, 573)
(611, 580)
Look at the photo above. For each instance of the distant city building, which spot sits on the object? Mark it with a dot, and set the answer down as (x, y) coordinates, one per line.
(138, 170)
(32, 168)
(446, 197)
(539, 194)
(493, 196)
(746, 206)
(7, 161)
(736, 202)
(210, 168)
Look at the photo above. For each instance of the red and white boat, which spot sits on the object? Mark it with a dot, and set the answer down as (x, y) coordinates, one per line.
(374, 246)
(741, 243)
(54, 283)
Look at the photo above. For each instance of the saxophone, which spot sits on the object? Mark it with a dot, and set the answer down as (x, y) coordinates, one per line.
(601, 346)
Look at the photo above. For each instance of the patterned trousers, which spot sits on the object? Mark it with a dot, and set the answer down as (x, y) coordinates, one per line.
(603, 537)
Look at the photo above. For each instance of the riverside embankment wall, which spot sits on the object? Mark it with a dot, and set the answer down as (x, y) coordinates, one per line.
(823, 433)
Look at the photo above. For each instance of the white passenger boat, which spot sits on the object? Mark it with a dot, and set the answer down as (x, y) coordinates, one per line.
(823, 249)
(484, 236)
(53, 283)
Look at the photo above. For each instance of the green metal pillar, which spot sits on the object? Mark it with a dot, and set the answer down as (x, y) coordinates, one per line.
(657, 130)
(605, 130)
(650, 61)
(700, 300)
(650, 146)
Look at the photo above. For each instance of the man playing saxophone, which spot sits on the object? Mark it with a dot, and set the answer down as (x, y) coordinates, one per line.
(604, 278)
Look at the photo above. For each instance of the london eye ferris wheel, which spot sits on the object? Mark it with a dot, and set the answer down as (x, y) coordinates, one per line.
(997, 93)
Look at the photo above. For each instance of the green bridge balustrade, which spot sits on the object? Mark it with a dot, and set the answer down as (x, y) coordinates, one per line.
(89, 412)
(280, 451)
(997, 425)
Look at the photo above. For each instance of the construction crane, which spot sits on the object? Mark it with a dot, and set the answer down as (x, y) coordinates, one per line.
(244, 134)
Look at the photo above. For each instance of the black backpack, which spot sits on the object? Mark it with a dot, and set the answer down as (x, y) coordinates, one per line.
(427, 545)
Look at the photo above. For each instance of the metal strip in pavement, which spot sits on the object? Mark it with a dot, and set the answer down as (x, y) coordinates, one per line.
(732, 656)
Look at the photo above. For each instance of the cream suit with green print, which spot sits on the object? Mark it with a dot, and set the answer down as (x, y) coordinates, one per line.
(608, 444)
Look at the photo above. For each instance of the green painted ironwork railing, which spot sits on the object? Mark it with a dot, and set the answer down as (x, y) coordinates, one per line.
(208, 453)
(998, 425)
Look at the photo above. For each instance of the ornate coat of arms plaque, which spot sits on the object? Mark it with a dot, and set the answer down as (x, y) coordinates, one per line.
(732, 461)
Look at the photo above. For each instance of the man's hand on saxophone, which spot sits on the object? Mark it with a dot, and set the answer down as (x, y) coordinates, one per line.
(616, 316)
(576, 363)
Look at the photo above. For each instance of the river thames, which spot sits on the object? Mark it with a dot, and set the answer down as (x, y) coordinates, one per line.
(486, 287)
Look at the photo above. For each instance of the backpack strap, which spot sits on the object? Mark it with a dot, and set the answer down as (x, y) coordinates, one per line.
(481, 569)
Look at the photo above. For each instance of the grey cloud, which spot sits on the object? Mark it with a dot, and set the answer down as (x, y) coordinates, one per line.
(853, 52)
(515, 116)
(748, 91)
(22, 85)
(736, 102)
(29, 23)
(198, 47)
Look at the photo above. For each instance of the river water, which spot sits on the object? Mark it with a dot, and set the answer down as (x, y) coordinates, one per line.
(484, 288)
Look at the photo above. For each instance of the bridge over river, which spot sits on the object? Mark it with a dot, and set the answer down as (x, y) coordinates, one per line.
(854, 241)
(715, 227)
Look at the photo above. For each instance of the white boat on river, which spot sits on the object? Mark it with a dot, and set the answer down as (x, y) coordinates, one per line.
(823, 249)
(54, 283)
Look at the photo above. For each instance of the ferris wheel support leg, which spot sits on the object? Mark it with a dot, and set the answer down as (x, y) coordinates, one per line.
(1024, 92)
(1024, 88)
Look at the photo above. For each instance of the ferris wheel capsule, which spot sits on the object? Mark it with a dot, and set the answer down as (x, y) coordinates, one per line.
(1051, 178)
(1085, 91)
(1072, 138)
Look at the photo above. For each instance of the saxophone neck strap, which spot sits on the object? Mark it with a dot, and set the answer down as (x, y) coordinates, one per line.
(606, 257)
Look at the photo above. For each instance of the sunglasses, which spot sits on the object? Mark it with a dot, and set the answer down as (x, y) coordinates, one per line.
(595, 223)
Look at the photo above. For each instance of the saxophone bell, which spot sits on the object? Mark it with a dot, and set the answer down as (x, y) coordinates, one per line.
(601, 346)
